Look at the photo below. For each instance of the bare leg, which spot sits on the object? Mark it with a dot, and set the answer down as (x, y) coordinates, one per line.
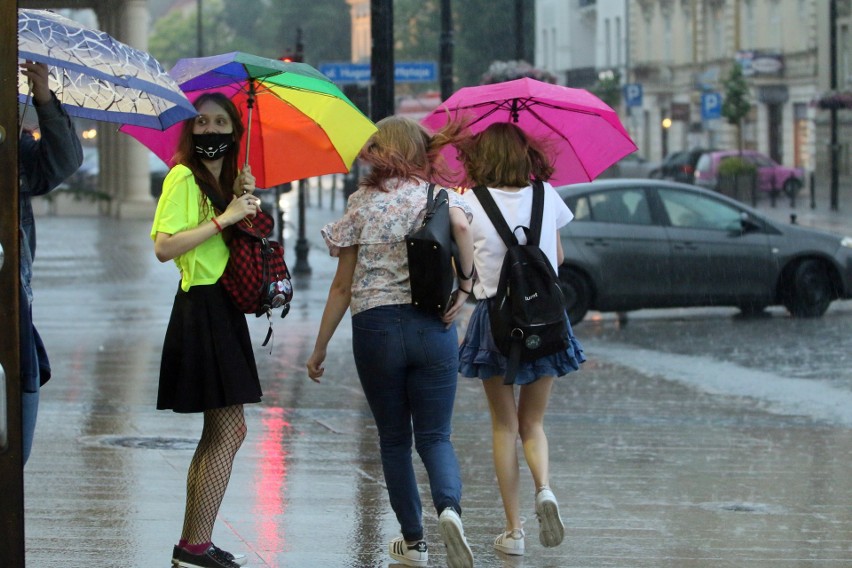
(210, 470)
(532, 403)
(504, 436)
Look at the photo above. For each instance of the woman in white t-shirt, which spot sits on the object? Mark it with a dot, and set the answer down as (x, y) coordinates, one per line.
(505, 160)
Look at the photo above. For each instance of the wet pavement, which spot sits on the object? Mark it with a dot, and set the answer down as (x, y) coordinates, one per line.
(649, 471)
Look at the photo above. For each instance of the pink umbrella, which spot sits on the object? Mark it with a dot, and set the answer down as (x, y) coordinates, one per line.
(585, 135)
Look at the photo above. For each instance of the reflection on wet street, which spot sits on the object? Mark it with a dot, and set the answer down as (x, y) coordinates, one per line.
(653, 466)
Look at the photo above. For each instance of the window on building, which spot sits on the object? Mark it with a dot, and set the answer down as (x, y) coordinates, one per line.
(775, 25)
(619, 50)
(687, 26)
(718, 48)
(647, 35)
(668, 50)
(747, 31)
(607, 43)
(844, 75)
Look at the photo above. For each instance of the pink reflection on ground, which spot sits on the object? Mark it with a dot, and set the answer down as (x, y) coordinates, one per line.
(271, 479)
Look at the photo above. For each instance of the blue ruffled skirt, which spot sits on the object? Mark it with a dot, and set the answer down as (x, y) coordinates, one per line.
(480, 358)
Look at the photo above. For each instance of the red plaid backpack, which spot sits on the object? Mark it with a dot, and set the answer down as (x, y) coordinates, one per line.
(256, 278)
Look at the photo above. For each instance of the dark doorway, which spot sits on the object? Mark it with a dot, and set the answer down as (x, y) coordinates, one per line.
(776, 134)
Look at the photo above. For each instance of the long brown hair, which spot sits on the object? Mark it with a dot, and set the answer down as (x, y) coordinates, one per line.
(503, 155)
(402, 148)
(185, 153)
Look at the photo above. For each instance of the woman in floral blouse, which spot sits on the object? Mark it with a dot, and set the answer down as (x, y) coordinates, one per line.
(407, 359)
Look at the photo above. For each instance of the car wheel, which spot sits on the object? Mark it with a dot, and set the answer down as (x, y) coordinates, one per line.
(578, 294)
(791, 187)
(809, 291)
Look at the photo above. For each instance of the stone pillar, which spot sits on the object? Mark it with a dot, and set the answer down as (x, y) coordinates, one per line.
(136, 201)
(129, 161)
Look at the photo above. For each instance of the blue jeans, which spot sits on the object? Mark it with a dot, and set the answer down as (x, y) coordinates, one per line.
(408, 365)
(29, 413)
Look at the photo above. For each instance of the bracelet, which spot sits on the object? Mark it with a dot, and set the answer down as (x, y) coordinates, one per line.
(215, 222)
(465, 291)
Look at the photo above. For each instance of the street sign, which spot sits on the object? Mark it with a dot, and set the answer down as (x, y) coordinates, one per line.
(404, 72)
(415, 72)
(633, 94)
(711, 106)
(346, 73)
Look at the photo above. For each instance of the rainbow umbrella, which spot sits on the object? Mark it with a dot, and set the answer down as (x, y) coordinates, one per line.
(298, 123)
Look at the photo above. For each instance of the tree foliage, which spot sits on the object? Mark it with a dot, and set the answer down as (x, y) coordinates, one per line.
(737, 103)
(484, 31)
(262, 27)
(608, 88)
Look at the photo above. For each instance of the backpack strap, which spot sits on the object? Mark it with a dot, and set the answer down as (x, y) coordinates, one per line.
(493, 212)
(537, 215)
(216, 199)
(499, 222)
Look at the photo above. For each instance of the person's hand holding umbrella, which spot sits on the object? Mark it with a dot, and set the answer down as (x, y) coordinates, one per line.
(37, 75)
(245, 182)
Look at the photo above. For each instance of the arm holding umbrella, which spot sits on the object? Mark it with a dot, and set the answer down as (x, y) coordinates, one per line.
(58, 153)
(169, 246)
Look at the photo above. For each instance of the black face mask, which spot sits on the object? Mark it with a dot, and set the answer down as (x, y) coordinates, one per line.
(212, 146)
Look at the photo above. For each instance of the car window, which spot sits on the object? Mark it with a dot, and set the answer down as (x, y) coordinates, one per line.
(690, 210)
(624, 206)
(637, 203)
(580, 207)
(703, 164)
(680, 158)
(761, 161)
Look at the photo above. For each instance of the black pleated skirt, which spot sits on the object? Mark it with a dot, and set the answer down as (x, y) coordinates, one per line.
(208, 360)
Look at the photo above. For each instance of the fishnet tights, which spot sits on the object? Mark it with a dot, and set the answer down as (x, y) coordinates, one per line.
(210, 470)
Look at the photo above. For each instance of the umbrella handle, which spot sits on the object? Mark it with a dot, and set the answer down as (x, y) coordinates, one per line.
(250, 103)
(248, 132)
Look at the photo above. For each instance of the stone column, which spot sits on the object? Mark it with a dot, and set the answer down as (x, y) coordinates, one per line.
(134, 190)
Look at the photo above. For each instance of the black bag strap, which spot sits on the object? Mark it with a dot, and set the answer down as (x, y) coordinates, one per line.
(432, 204)
(499, 222)
(217, 200)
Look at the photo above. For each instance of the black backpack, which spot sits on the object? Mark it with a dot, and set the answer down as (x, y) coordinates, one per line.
(527, 315)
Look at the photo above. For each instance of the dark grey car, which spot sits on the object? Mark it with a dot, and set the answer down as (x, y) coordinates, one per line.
(638, 243)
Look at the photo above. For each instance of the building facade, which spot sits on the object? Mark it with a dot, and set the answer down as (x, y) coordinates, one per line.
(678, 53)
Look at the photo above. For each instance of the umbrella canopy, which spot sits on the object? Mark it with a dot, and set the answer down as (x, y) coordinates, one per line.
(584, 134)
(298, 123)
(97, 77)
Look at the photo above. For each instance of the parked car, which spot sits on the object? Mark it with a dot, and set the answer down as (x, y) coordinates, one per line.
(679, 165)
(771, 176)
(638, 244)
(630, 166)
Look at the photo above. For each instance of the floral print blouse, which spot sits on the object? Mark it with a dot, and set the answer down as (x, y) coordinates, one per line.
(378, 221)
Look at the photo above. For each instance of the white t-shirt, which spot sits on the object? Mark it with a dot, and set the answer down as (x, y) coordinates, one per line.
(516, 207)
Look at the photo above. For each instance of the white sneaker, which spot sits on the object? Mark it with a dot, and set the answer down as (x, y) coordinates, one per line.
(511, 542)
(459, 554)
(409, 555)
(551, 530)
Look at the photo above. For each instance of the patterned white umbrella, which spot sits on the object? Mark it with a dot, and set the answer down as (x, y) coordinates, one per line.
(96, 76)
